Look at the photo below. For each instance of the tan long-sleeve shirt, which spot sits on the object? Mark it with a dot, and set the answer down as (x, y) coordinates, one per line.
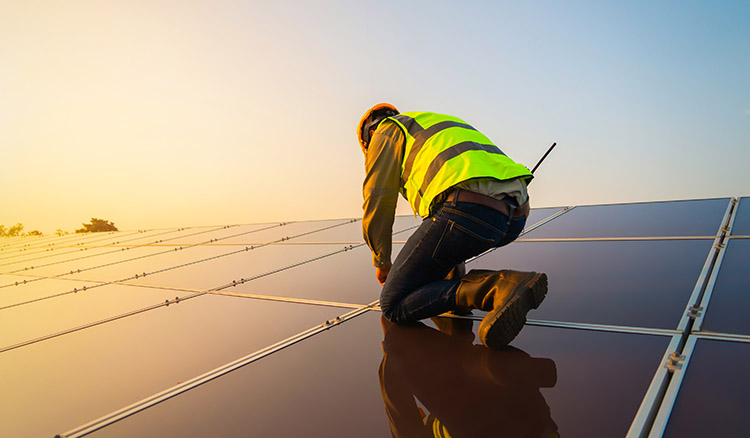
(382, 185)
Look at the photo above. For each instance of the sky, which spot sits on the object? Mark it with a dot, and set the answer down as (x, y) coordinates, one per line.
(156, 114)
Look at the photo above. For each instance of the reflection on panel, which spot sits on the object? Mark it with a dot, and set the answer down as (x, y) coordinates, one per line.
(675, 218)
(348, 277)
(573, 370)
(729, 306)
(715, 394)
(741, 225)
(337, 387)
(242, 265)
(638, 283)
(56, 385)
(24, 323)
(326, 386)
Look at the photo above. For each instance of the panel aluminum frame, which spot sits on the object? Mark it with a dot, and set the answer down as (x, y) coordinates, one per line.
(710, 267)
(649, 408)
(670, 396)
(720, 247)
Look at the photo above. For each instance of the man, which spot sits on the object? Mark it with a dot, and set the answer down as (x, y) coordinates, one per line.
(472, 198)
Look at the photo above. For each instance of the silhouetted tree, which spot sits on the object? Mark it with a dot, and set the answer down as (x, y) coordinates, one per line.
(96, 226)
(3, 231)
(60, 232)
(35, 233)
(15, 230)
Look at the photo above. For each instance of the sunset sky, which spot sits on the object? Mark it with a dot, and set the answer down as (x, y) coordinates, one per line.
(158, 114)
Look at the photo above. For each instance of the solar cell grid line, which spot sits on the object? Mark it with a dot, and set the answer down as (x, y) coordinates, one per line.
(86, 247)
(159, 232)
(96, 237)
(9, 262)
(168, 393)
(156, 306)
(78, 271)
(136, 276)
(127, 247)
(42, 240)
(86, 257)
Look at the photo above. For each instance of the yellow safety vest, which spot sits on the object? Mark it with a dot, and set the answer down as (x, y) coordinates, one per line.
(442, 151)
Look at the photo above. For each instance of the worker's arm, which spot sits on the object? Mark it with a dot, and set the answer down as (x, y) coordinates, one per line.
(380, 191)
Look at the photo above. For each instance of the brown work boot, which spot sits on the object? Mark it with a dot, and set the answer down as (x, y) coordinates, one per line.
(458, 272)
(507, 296)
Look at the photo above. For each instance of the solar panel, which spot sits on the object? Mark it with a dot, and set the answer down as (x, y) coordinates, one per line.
(272, 330)
(715, 392)
(61, 383)
(341, 384)
(630, 283)
(730, 306)
(742, 218)
(677, 218)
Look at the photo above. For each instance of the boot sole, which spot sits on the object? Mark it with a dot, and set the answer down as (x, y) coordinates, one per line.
(502, 325)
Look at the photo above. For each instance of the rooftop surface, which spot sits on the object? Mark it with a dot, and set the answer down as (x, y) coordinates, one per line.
(273, 330)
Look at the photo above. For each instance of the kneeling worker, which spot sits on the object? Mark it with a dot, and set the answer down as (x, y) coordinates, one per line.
(472, 198)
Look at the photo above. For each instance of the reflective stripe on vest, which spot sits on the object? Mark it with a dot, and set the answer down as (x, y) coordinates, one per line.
(442, 151)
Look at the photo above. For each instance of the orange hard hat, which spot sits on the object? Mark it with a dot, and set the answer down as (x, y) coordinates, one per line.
(372, 117)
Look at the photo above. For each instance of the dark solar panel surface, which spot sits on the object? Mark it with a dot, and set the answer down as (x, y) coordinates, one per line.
(85, 334)
(631, 283)
(715, 393)
(677, 218)
(742, 220)
(344, 373)
(729, 309)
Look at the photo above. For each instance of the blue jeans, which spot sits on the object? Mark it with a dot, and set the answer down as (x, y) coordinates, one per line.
(416, 287)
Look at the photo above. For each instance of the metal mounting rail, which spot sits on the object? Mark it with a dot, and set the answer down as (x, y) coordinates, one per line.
(580, 325)
(653, 414)
(208, 376)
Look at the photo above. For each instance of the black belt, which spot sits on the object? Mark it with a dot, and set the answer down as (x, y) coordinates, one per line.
(494, 203)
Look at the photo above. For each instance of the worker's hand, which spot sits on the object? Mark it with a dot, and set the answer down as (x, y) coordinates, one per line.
(382, 273)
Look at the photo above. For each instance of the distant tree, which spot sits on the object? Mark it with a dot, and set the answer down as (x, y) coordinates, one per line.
(35, 233)
(60, 232)
(96, 226)
(3, 231)
(15, 230)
